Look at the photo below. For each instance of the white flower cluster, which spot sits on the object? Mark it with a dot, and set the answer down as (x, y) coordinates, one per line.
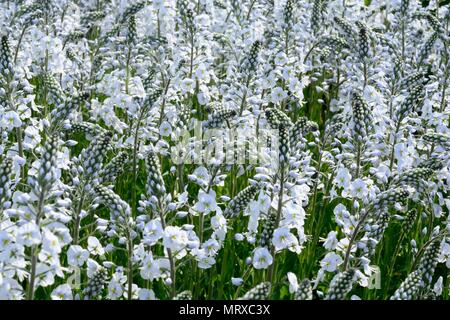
(100, 200)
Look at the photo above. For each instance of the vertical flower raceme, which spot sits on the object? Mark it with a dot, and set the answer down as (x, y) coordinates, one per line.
(429, 260)
(184, 295)
(363, 42)
(341, 284)
(362, 118)
(304, 291)
(64, 110)
(155, 182)
(46, 174)
(5, 181)
(411, 102)
(265, 238)
(55, 95)
(410, 287)
(316, 15)
(95, 285)
(93, 155)
(260, 292)
(114, 168)
(301, 128)
(427, 47)
(133, 9)
(250, 63)
(6, 60)
(240, 202)
(131, 34)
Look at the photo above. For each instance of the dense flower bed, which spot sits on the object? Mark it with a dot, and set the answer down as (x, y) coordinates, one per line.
(224, 149)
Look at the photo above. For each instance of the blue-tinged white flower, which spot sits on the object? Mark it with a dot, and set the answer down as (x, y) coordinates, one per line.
(50, 242)
(165, 129)
(187, 86)
(201, 176)
(45, 275)
(283, 238)
(331, 241)
(444, 256)
(382, 173)
(11, 120)
(149, 268)
(175, 238)
(343, 177)
(146, 294)
(219, 225)
(29, 234)
(206, 202)
(211, 247)
(438, 286)
(115, 290)
(77, 256)
(281, 59)
(95, 247)
(153, 231)
(62, 292)
(358, 189)
(202, 73)
(331, 262)
(205, 261)
(10, 289)
(261, 258)
(277, 95)
(293, 282)
(237, 281)
(263, 202)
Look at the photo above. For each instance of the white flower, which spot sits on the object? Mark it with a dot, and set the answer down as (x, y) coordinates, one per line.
(261, 258)
(331, 241)
(237, 281)
(165, 129)
(205, 261)
(202, 73)
(92, 267)
(341, 214)
(293, 282)
(358, 189)
(263, 202)
(95, 247)
(115, 290)
(281, 58)
(29, 234)
(146, 294)
(175, 238)
(211, 247)
(187, 85)
(201, 175)
(149, 269)
(77, 256)
(153, 232)
(445, 254)
(11, 120)
(45, 275)
(62, 292)
(206, 202)
(50, 242)
(331, 261)
(438, 286)
(283, 238)
(277, 95)
(343, 177)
